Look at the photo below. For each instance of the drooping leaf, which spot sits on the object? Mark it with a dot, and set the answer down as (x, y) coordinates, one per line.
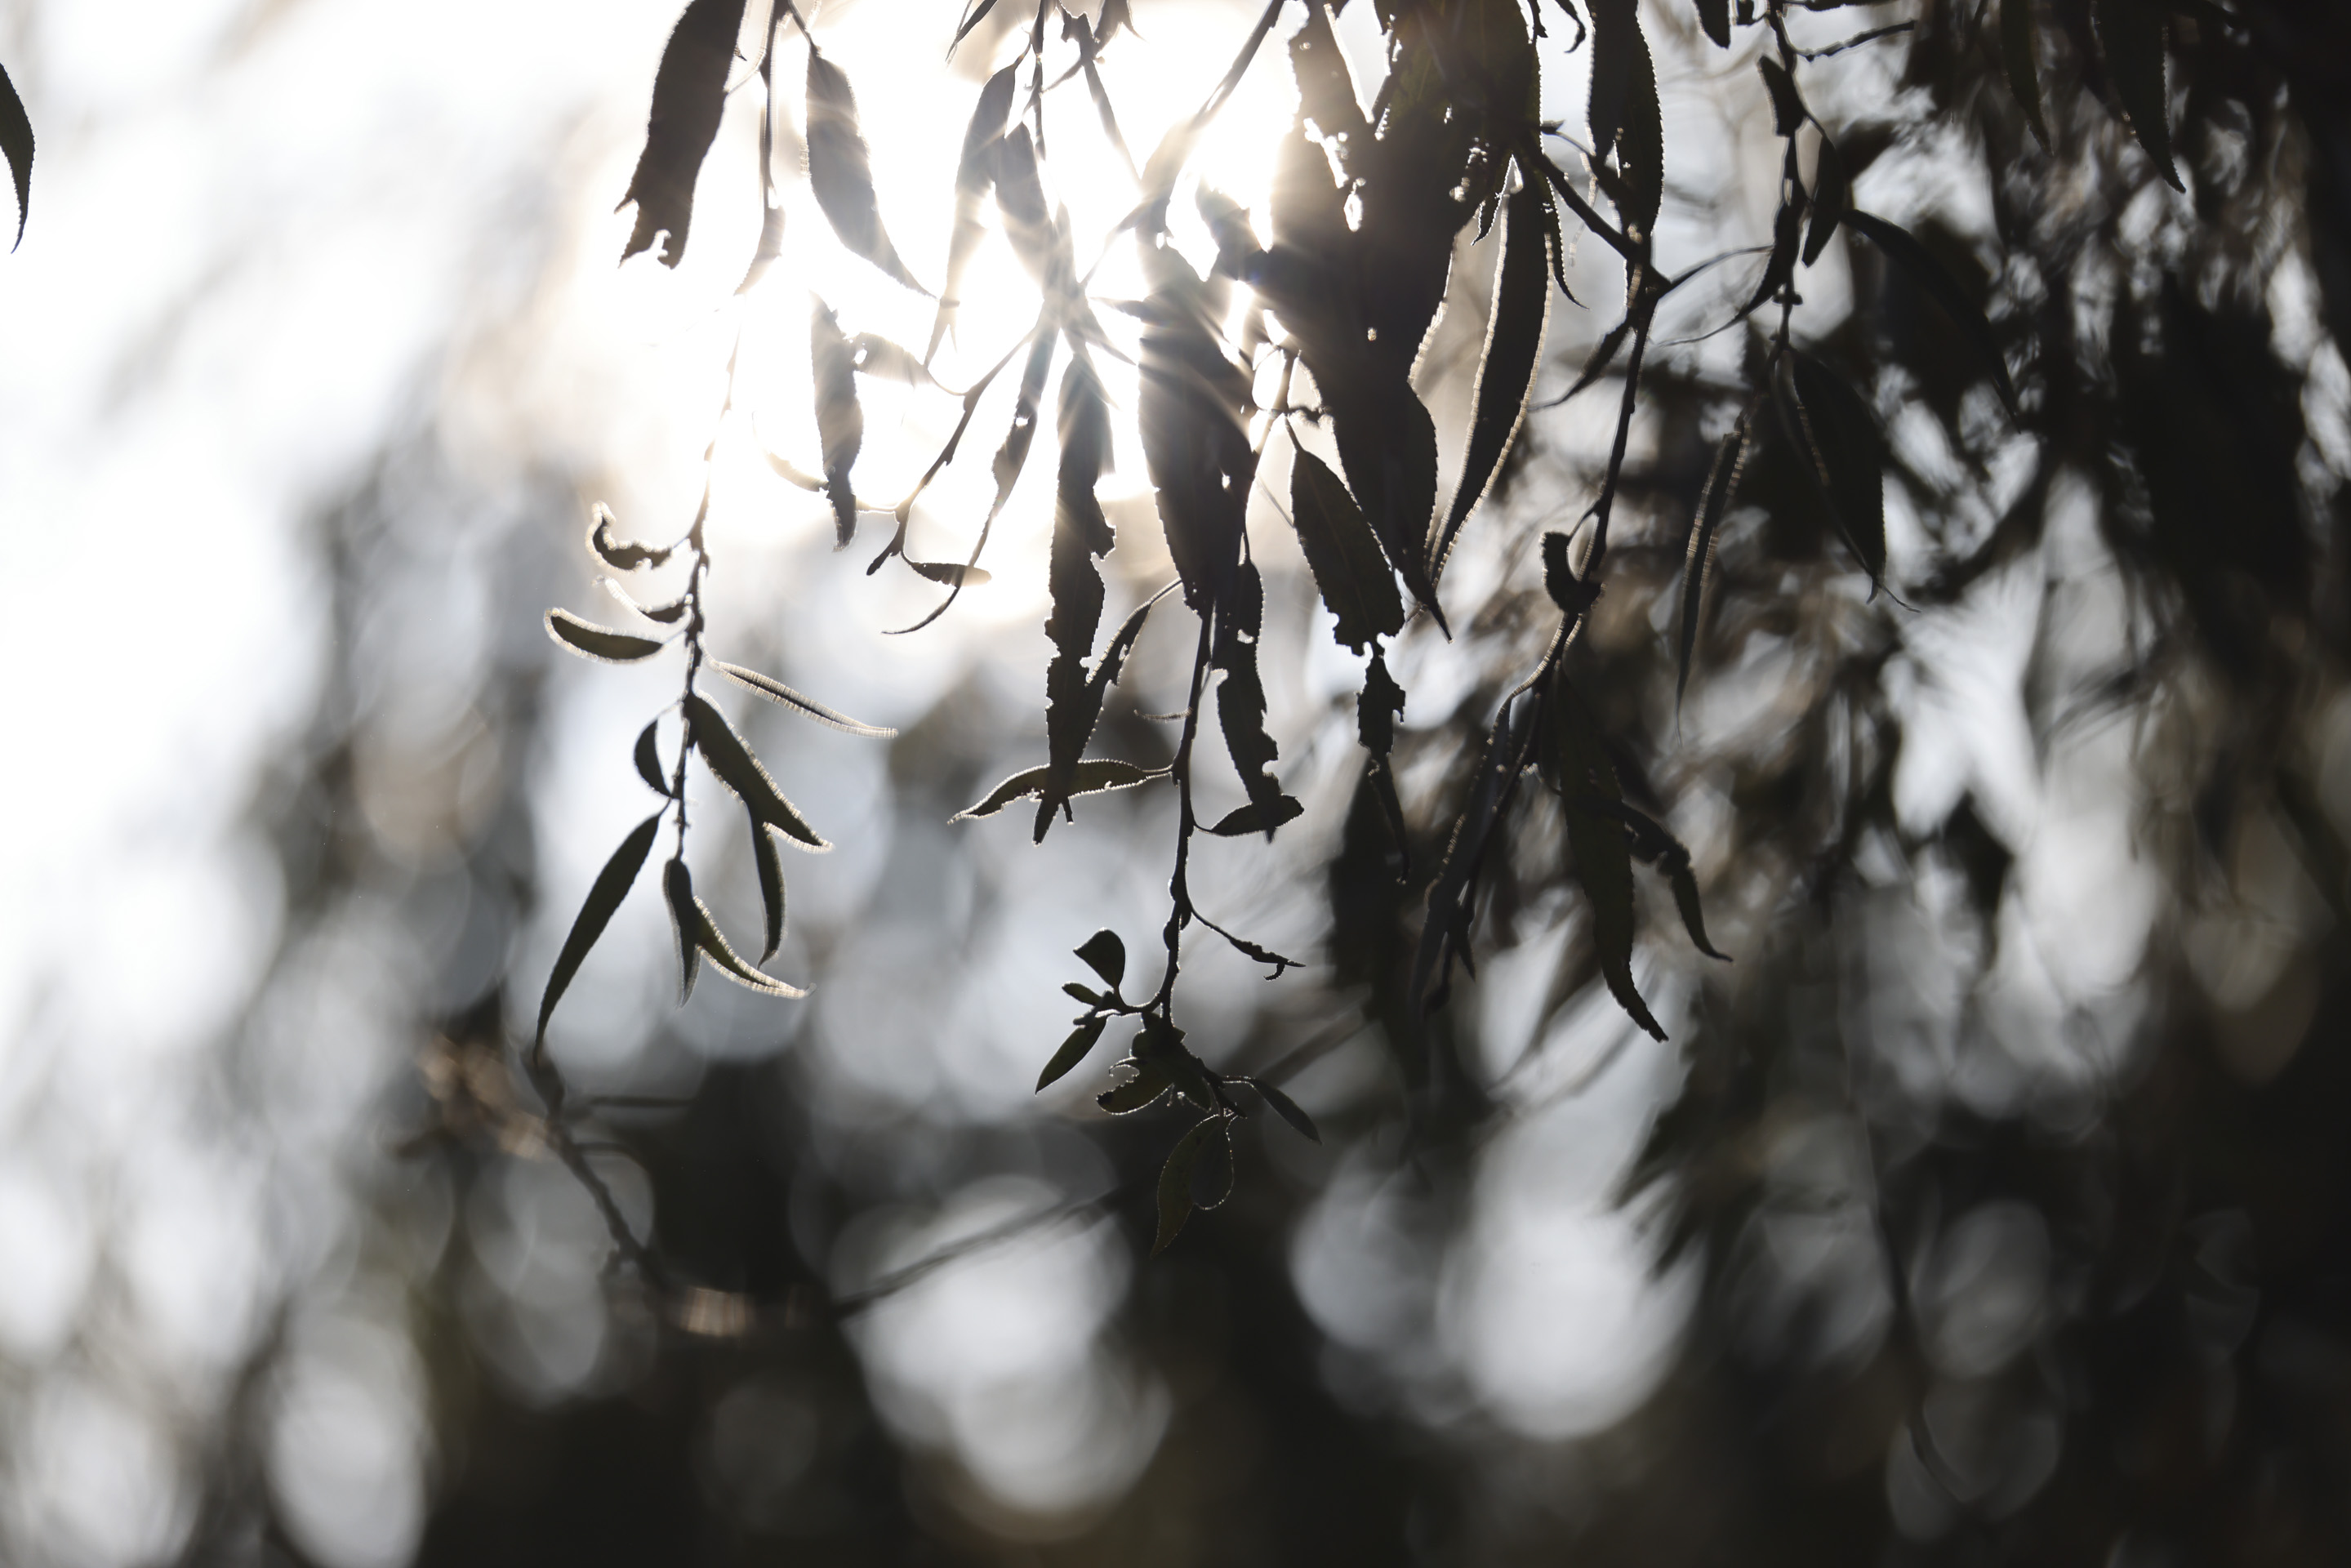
(1918, 264)
(689, 100)
(1832, 194)
(604, 895)
(1445, 934)
(1073, 1050)
(1093, 777)
(619, 554)
(667, 614)
(698, 937)
(1604, 354)
(777, 692)
(1788, 112)
(1651, 843)
(1252, 951)
(1243, 821)
(1150, 1080)
(2130, 36)
(769, 863)
(1506, 371)
(1081, 533)
(1787, 230)
(792, 474)
(877, 356)
(17, 144)
(770, 248)
(1013, 455)
(596, 642)
(1105, 955)
(2020, 50)
(952, 573)
(648, 760)
(1685, 885)
(974, 173)
(1240, 696)
(1713, 502)
(1286, 1109)
(1378, 706)
(1625, 115)
(1845, 452)
(1326, 89)
(841, 170)
(732, 762)
(1191, 412)
(975, 13)
(1569, 592)
(1175, 1181)
(1349, 571)
(839, 419)
(1604, 863)
(1714, 15)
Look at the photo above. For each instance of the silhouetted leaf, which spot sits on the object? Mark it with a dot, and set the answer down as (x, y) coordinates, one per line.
(1326, 89)
(16, 143)
(1445, 932)
(1286, 1109)
(1150, 1080)
(1252, 951)
(792, 473)
(1714, 15)
(1787, 229)
(1349, 571)
(1625, 115)
(597, 641)
(1569, 592)
(1652, 844)
(689, 100)
(1085, 993)
(1105, 955)
(604, 895)
(667, 614)
(1788, 112)
(1191, 412)
(1080, 532)
(1245, 820)
(1093, 777)
(1832, 194)
(740, 771)
(975, 13)
(1604, 863)
(877, 356)
(2130, 36)
(1073, 1051)
(840, 171)
(1918, 264)
(776, 691)
(1844, 451)
(1176, 1182)
(1240, 696)
(698, 937)
(1506, 371)
(619, 554)
(840, 421)
(1377, 706)
(1713, 502)
(1113, 17)
(648, 760)
(1685, 883)
(1020, 201)
(770, 866)
(770, 248)
(2020, 53)
(1604, 354)
(974, 174)
(954, 573)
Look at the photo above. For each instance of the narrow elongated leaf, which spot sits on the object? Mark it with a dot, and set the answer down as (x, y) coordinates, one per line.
(1150, 1080)
(2020, 53)
(1191, 412)
(1286, 1109)
(1020, 201)
(684, 923)
(1624, 111)
(1685, 885)
(1832, 194)
(1845, 452)
(1788, 112)
(689, 100)
(596, 642)
(699, 937)
(1243, 821)
(1444, 934)
(621, 555)
(1105, 955)
(1604, 863)
(974, 174)
(839, 419)
(952, 573)
(1918, 264)
(1713, 502)
(1081, 533)
(1787, 229)
(1377, 707)
(875, 355)
(1093, 777)
(1251, 951)
(604, 895)
(1240, 696)
(1349, 571)
(770, 864)
(770, 248)
(975, 13)
(840, 169)
(1506, 371)
(1714, 15)
(1175, 1181)
(17, 144)
(2130, 36)
(1085, 993)
(668, 614)
(777, 692)
(648, 760)
(1073, 1051)
(740, 771)
(1652, 842)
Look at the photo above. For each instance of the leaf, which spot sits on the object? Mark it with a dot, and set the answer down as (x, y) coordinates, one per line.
(1150, 1080)
(1832, 195)
(1845, 453)
(1604, 354)
(1073, 1051)
(776, 691)
(840, 169)
(770, 866)
(1377, 707)
(668, 614)
(792, 474)
(1625, 115)
(1175, 1181)
(1567, 590)
(1787, 228)
(1191, 412)
(619, 554)
(648, 760)
(2020, 51)
(16, 143)
(604, 895)
(1212, 1173)
(708, 729)
(1020, 201)
(1245, 820)
(1349, 571)
(1252, 952)
(954, 573)
(975, 13)
(1286, 1109)
(1684, 884)
(1604, 863)
(1652, 842)
(1714, 15)
(1105, 955)
(840, 421)
(1918, 264)
(1506, 371)
(2130, 35)
(1721, 485)
(1093, 777)
(1788, 112)
(698, 937)
(596, 642)
(1085, 993)
(974, 174)
(1080, 532)
(1240, 696)
(1326, 90)
(770, 248)
(689, 100)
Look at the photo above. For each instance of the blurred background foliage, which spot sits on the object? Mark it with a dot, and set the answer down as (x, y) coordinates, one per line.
(1990, 1206)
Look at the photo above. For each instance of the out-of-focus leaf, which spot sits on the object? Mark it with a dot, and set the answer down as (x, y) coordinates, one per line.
(1445, 934)
(689, 100)
(1652, 842)
(699, 936)
(1684, 884)
(17, 144)
(1144, 1087)
(1021, 200)
(1243, 821)
(619, 554)
(840, 421)
(1569, 592)
(1788, 112)
(1073, 1051)
(667, 614)
(648, 760)
(1919, 265)
(1714, 15)
(1787, 229)
(604, 895)
(954, 573)
(770, 248)
(777, 692)
(2130, 36)
(1176, 1182)
(2020, 50)
(1286, 1109)
(1080, 532)
(1240, 696)
(1625, 115)
(1326, 90)
(792, 474)
(1713, 502)
(1113, 17)
(1604, 354)
(975, 13)
(1105, 955)
(1212, 1173)
(1093, 777)
(1191, 412)
(740, 771)
(1845, 452)
(840, 171)
(1604, 863)
(1349, 571)
(1832, 194)
(974, 174)
(770, 866)
(597, 641)
(877, 356)
(1506, 372)
(1013, 455)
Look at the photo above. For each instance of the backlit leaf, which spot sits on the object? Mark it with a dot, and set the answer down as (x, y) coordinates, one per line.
(974, 173)
(1603, 861)
(1240, 696)
(1175, 1181)
(1788, 112)
(1245, 820)
(16, 143)
(1918, 264)
(877, 356)
(2130, 36)
(1150, 1080)
(839, 419)
(2020, 52)
(1212, 1171)
(619, 554)
(667, 614)
(1105, 955)
(1081, 533)
(648, 760)
(604, 895)
(840, 169)
(1073, 1050)
(776, 691)
(1349, 571)
(1506, 371)
(1286, 1109)
(1713, 502)
(1684, 884)
(597, 641)
(1377, 706)
(1787, 229)
(1191, 412)
(1093, 777)
(1714, 15)
(954, 573)
(740, 771)
(689, 100)
(770, 864)
(1845, 453)
(699, 936)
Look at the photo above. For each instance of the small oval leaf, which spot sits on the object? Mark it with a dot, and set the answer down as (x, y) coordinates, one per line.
(1286, 1109)
(1073, 1051)
(648, 760)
